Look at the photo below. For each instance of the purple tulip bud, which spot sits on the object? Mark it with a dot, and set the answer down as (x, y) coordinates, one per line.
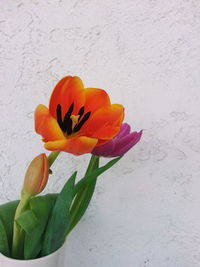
(120, 144)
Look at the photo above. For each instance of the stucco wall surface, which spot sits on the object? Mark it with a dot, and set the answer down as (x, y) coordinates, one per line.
(146, 54)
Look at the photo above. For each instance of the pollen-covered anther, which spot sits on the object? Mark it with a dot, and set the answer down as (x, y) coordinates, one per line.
(74, 119)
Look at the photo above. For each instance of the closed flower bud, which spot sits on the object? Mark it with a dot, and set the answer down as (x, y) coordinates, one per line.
(36, 175)
(120, 144)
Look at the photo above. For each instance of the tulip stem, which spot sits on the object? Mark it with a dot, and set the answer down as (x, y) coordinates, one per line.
(52, 157)
(92, 164)
(18, 233)
(83, 196)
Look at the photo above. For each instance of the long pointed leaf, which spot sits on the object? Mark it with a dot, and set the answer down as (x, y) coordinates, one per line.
(82, 202)
(92, 175)
(27, 221)
(84, 196)
(4, 247)
(60, 218)
(42, 207)
(85, 189)
(7, 213)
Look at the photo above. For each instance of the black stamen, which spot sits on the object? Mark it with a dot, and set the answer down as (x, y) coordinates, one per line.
(80, 113)
(80, 124)
(59, 116)
(67, 121)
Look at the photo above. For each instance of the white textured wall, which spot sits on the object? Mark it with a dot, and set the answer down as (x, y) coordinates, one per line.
(146, 54)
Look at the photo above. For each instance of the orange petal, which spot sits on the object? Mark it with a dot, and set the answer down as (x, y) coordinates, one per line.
(101, 142)
(46, 125)
(68, 90)
(77, 145)
(95, 99)
(104, 123)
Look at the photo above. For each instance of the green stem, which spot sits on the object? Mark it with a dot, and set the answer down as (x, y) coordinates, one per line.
(82, 199)
(91, 166)
(18, 233)
(52, 157)
(87, 179)
(83, 196)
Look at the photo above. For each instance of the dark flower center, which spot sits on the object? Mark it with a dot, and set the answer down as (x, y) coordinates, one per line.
(71, 123)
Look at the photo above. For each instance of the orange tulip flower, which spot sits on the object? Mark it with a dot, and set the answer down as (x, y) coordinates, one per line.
(78, 118)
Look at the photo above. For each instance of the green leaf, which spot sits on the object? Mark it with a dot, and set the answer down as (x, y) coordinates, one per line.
(4, 247)
(85, 189)
(42, 207)
(7, 213)
(27, 221)
(92, 175)
(60, 218)
(81, 203)
(84, 196)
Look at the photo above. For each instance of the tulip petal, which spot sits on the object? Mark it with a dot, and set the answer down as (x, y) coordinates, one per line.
(124, 130)
(104, 150)
(69, 90)
(95, 99)
(46, 125)
(126, 143)
(77, 145)
(104, 123)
